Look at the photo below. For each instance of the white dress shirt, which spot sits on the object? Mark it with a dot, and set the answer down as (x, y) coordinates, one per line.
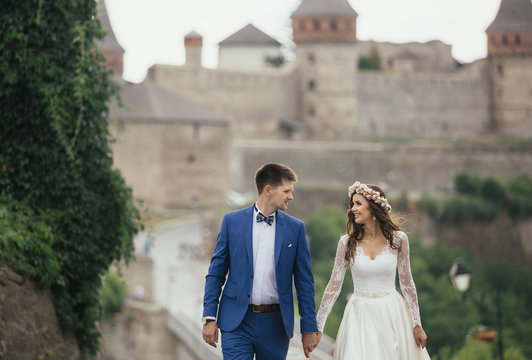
(264, 289)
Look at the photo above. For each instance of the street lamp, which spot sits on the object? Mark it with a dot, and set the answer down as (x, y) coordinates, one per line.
(460, 276)
(461, 279)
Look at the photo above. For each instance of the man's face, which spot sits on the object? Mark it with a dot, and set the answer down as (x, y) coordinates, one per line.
(280, 195)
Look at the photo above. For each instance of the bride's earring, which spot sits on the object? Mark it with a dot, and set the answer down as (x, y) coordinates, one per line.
(373, 217)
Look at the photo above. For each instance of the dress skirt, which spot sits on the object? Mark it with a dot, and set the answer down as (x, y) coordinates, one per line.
(377, 326)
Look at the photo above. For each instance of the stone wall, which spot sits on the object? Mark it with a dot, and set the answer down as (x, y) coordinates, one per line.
(173, 164)
(139, 332)
(415, 166)
(29, 328)
(254, 101)
(422, 105)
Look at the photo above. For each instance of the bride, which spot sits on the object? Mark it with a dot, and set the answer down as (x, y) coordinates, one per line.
(378, 323)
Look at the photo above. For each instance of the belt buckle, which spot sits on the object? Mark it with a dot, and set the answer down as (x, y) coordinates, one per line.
(253, 309)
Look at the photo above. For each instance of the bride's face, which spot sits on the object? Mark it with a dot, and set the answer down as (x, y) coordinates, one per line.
(361, 209)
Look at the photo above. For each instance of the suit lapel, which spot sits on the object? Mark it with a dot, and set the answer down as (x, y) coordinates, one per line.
(248, 234)
(279, 234)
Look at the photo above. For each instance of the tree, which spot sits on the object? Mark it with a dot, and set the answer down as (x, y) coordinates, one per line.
(55, 157)
(372, 61)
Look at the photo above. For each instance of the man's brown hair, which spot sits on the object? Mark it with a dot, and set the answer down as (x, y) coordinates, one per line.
(273, 174)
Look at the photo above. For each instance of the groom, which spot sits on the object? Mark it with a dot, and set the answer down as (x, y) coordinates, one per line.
(262, 248)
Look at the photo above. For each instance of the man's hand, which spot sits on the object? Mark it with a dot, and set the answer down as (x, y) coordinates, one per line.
(318, 338)
(310, 341)
(420, 336)
(210, 333)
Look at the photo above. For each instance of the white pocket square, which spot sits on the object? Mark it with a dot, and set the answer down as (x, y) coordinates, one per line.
(289, 245)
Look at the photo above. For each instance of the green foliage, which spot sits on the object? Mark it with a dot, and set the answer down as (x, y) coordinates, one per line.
(55, 156)
(372, 61)
(113, 293)
(324, 229)
(467, 183)
(401, 203)
(520, 194)
(478, 199)
(474, 350)
(26, 242)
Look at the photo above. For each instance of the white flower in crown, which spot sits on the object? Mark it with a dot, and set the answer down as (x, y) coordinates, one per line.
(369, 194)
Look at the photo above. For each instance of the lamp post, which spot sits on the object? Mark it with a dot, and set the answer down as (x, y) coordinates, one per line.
(461, 280)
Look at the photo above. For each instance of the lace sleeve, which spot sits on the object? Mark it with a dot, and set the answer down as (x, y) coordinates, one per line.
(335, 283)
(408, 288)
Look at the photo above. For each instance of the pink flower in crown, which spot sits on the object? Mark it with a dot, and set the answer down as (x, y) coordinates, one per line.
(375, 197)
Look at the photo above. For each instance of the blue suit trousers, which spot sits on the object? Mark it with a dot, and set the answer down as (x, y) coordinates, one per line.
(259, 334)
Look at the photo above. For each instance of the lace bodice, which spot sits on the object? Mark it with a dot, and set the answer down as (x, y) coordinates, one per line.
(372, 275)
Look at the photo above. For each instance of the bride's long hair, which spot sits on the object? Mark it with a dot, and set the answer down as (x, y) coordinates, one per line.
(356, 231)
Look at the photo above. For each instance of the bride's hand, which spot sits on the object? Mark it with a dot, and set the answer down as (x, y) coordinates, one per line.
(419, 336)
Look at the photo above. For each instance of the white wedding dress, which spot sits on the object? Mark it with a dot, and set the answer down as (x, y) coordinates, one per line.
(377, 323)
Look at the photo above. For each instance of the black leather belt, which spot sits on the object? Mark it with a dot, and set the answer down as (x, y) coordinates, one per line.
(264, 308)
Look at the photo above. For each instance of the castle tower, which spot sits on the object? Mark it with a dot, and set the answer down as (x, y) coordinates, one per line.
(193, 45)
(511, 31)
(510, 68)
(325, 34)
(109, 46)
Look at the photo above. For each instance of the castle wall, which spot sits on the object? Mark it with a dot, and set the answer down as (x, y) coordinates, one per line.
(512, 94)
(432, 56)
(422, 104)
(173, 164)
(415, 166)
(254, 102)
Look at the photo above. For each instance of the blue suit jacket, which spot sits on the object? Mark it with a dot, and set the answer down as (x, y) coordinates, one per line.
(234, 254)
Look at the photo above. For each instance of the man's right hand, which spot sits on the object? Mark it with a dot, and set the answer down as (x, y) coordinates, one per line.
(319, 337)
(210, 333)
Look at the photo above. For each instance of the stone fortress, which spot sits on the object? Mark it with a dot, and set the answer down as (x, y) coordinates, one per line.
(412, 124)
(421, 90)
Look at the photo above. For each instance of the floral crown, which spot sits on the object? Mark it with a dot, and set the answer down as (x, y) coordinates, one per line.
(369, 194)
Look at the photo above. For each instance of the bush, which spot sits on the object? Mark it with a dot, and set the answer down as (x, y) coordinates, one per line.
(55, 156)
(114, 290)
(467, 183)
(26, 243)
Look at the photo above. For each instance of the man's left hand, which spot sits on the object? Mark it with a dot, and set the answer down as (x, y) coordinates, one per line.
(310, 342)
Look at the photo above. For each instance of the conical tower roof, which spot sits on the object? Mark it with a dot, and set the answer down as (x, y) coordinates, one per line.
(109, 43)
(335, 8)
(514, 16)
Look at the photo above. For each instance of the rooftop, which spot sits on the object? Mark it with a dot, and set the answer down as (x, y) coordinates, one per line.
(513, 15)
(249, 35)
(336, 8)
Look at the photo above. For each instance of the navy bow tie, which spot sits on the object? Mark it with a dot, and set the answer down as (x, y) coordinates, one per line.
(267, 219)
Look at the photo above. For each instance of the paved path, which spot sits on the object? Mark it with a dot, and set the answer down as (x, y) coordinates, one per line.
(179, 275)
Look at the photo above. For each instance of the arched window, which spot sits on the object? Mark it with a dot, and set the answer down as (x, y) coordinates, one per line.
(301, 25)
(517, 39)
(504, 40)
(317, 25)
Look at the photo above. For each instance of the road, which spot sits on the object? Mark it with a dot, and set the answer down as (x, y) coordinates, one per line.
(179, 269)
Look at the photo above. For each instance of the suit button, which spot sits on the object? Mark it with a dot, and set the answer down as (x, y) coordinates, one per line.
(248, 295)
(252, 276)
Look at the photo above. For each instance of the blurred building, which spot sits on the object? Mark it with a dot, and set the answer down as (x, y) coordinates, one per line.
(416, 90)
(171, 151)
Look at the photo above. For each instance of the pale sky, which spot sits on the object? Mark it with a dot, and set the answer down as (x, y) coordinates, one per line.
(152, 31)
